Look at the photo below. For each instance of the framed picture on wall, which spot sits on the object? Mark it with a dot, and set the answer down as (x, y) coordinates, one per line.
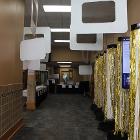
(69, 74)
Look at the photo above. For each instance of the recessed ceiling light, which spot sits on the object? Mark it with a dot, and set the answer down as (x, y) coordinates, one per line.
(64, 62)
(65, 66)
(62, 41)
(56, 8)
(60, 30)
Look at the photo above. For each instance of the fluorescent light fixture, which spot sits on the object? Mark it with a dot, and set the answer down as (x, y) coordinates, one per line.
(60, 30)
(62, 41)
(56, 8)
(64, 62)
(65, 66)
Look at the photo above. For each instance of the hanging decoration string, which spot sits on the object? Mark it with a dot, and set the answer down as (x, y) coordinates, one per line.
(118, 89)
(104, 84)
(96, 82)
(111, 78)
(34, 7)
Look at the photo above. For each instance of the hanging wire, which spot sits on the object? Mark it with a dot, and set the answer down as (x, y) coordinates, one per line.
(82, 55)
(34, 23)
(87, 56)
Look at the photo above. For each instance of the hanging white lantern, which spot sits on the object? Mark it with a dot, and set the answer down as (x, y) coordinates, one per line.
(34, 65)
(42, 67)
(25, 65)
(46, 32)
(33, 49)
(119, 25)
(98, 46)
(85, 70)
(46, 59)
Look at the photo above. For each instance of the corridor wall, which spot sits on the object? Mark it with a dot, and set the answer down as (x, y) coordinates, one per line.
(65, 54)
(11, 31)
(130, 121)
(133, 17)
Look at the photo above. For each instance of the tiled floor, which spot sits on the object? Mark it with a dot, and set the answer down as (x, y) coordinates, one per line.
(61, 117)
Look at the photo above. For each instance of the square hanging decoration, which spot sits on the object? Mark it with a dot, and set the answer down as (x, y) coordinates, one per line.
(36, 48)
(45, 31)
(85, 70)
(33, 49)
(97, 46)
(118, 25)
(31, 65)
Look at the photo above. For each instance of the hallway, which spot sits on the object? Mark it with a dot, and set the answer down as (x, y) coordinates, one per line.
(61, 117)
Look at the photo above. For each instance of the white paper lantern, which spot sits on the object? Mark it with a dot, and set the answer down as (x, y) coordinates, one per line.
(46, 31)
(120, 25)
(46, 59)
(98, 46)
(33, 49)
(42, 67)
(34, 65)
(25, 65)
(85, 69)
(31, 65)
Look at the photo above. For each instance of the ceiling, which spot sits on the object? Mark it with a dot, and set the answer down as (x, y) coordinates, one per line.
(53, 20)
(63, 20)
(73, 65)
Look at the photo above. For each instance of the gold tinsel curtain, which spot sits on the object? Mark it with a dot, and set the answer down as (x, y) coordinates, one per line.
(110, 83)
(108, 92)
(100, 96)
(96, 82)
(121, 96)
(100, 82)
(104, 79)
(134, 122)
(104, 84)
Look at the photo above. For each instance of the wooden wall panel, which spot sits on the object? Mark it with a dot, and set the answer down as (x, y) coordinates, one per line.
(11, 30)
(65, 54)
(133, 12)
(133, 17)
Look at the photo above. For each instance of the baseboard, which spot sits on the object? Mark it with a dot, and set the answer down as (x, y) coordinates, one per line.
(9, 134)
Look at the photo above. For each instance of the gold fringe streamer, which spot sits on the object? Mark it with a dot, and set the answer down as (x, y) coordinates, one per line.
(121, 96)
(135, 51)
(112, 54)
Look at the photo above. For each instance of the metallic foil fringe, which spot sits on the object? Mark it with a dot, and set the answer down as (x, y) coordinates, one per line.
(108, 67)
(121, 96)
(134, 77)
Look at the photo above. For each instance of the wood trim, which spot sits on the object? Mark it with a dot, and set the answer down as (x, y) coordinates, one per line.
(8, 135)
(31, 106)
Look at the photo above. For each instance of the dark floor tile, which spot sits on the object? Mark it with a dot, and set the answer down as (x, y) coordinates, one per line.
(61, 117)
